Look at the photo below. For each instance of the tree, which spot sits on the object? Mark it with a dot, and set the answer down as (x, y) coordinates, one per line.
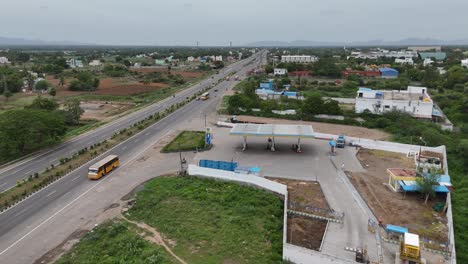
(52, 91)
(42, 85)
(42, 103)
(426, 183)
(74, 111)
(62, 81)
(84, 82)
(7, 94)
(24, 130)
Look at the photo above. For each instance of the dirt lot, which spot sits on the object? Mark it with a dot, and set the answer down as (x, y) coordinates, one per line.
(304, 192)
(306, 232)
(352, 131)
(103, 110)
(109, 86)
(396, 208)
(303, 231)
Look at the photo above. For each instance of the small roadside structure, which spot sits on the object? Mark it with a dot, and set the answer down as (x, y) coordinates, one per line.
(272, 131)
(406, 180)
(280, 72)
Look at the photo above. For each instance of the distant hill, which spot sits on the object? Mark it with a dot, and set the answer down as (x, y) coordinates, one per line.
(377, 42)
(37, 42)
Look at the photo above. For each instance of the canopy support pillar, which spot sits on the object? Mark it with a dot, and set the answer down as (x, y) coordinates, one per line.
(244, 143)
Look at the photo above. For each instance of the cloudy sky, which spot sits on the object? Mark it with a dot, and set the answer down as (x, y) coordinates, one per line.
(216, 22)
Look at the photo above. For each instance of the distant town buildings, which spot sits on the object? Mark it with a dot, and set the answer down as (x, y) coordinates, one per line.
(425, 48)
(439, 56)
(383, 72)
(280, 72)
(95, 63)
(382, 53)
(427, 62)
(74, 63)
(408, 61)
(4, 60)
(464, 63)
(414, 101)
(299, 58)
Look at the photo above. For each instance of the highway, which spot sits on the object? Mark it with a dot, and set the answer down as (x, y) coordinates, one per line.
(18, 222)
(9, 175)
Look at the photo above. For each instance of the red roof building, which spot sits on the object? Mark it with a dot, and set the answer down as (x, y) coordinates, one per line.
(300, 73)
(347, 73)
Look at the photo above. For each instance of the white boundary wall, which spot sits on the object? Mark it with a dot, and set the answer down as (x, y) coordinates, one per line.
(405, 149)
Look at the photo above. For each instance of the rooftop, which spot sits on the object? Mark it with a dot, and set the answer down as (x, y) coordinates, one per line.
(272, 130)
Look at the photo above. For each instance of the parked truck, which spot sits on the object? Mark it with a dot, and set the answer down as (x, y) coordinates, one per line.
(341, 141)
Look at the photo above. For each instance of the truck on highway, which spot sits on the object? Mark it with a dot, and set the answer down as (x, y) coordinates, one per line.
(341, 141)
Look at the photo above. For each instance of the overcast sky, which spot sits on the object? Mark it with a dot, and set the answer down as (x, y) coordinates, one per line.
(216, 22)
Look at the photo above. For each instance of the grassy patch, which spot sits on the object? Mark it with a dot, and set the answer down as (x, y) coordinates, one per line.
(186, 140)
(211, 221)
(116, 242)
(84, 126)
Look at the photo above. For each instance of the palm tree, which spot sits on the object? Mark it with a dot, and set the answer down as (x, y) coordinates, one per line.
(62, 81)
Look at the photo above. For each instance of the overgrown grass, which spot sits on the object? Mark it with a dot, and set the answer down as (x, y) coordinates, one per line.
(116, 242)
(85, 125)
(186, 140)
(213, 221)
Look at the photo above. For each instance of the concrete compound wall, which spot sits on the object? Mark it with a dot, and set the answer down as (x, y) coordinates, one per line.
(405, 149)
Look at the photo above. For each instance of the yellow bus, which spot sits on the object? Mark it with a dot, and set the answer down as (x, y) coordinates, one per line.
(103, 167)
(205, 96)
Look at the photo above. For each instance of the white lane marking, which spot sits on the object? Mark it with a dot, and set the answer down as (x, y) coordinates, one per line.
(124, 148)
(3, 184)
(136, 140)
(76, 178)
(52, 192)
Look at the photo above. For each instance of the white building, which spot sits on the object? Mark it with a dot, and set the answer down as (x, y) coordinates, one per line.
(414, 101)
(408, 61)
(427, 62)
(95, 63)
(75, 63)
(464, 63)
(190, 59)
(218, 58)
(382, 53)
(299, 58)
(280, 72)
(4, 60)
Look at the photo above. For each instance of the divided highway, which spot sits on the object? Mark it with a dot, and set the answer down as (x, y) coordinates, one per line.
(40, 161)
(20, 221)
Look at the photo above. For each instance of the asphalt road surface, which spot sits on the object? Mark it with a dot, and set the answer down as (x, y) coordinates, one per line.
(18, 222)
(40, 161)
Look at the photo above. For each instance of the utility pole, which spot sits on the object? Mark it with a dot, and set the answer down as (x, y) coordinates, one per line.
(205, 120)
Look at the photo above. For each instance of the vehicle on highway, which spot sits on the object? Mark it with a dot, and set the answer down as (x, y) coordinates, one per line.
(205, 96)
(103, 167)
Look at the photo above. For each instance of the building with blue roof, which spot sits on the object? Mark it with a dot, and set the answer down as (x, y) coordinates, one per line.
(388, 73)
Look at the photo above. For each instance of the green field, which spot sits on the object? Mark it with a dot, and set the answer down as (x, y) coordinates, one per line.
(116, 242)
(211, 221)
(185, 141)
